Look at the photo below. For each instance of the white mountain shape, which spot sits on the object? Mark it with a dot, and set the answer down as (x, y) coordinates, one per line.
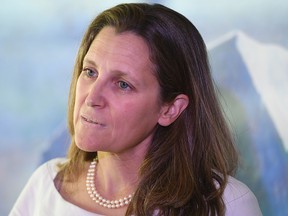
(268, 68)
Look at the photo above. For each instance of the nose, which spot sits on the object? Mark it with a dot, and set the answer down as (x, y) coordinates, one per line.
(95, 96)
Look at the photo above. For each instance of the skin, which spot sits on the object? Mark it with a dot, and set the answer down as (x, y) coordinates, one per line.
(115, 91)
(117, 109)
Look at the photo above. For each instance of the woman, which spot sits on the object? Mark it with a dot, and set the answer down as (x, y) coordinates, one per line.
(148, 135)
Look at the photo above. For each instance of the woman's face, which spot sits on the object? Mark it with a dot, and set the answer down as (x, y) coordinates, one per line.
(117, 104)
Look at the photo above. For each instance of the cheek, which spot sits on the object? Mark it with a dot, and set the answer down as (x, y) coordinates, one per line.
(132, 108)
(141, 112)
(79, 100)
(75, 113)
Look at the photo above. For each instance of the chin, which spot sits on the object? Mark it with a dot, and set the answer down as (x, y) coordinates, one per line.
(86, 147)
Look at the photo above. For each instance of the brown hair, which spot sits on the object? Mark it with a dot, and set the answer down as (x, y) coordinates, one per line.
(186, 167)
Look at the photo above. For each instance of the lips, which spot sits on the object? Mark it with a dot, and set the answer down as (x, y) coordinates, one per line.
(91, 121)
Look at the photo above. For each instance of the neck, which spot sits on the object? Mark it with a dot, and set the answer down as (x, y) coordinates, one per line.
(116, 175)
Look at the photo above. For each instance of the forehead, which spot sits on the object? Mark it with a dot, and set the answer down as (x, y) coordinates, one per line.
(126, 47)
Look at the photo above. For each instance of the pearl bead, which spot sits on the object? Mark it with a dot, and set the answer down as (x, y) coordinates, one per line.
(96, 197)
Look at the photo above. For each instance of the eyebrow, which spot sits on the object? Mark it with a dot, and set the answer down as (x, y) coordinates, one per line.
(118, 73)
(88, 61)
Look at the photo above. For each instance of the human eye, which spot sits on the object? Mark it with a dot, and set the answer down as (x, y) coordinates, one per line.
(90, 73)
(124, 85)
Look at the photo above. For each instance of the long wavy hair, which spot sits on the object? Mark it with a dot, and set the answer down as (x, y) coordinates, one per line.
(186, 167)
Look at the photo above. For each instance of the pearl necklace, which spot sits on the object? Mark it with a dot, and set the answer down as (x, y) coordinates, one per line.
(95, 196)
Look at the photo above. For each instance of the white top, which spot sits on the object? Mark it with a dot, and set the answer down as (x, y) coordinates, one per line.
(40, 197)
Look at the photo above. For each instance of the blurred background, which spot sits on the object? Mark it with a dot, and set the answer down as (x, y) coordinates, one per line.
(248, 49)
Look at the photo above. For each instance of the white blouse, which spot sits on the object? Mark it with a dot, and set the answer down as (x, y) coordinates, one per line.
(40, 197)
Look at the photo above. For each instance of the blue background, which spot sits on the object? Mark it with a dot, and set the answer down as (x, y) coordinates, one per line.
(248, 50)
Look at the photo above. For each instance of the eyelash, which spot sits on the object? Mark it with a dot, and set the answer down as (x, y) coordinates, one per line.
(87, 71)
(120, 83)
(127, 86)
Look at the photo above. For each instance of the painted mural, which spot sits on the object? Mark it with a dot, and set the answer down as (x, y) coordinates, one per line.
(248, 50)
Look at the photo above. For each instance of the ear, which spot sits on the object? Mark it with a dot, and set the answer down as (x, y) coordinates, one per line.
(170, 112)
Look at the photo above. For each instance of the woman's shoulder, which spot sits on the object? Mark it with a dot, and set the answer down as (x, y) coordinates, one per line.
(239, 199)
(49, 168)
(235, 189)
(39, 187)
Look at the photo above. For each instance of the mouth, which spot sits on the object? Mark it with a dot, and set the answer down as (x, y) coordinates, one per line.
(91, 121)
